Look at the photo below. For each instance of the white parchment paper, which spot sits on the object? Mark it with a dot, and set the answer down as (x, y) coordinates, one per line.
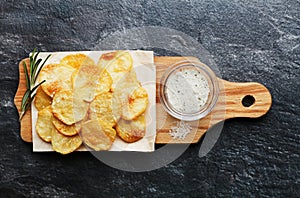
(143, 64)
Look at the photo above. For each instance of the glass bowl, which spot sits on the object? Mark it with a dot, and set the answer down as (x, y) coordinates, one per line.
(181, 76)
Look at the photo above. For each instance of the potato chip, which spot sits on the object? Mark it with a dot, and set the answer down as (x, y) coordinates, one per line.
(106, 108)
(65, 144)
(43, 124)
(117, 64)
(104, 83)
(42, 100)
(126, 83)
(133, 97)
(131, 130)
(58, 77)
(136, 105)
(77, 60)
(118, 61)
(90, 81)
(125, 87)
(68, 130)
(68, 108)
(97, 135)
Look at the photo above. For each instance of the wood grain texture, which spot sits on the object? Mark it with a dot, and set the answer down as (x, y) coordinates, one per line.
(229, 105)
(25, 125)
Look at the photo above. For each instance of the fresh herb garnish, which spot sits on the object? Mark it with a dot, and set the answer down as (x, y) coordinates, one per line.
(31, 77)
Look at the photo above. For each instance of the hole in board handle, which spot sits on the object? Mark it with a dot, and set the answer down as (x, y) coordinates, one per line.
(248, 101)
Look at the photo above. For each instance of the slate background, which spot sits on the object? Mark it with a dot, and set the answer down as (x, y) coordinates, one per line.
(249, 40)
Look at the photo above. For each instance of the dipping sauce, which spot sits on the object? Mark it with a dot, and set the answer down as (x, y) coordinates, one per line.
(187, 91)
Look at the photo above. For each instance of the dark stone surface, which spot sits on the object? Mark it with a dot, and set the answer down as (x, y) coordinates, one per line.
(249, 40)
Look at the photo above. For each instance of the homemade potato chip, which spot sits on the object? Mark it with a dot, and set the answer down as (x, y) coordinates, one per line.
(65, 144)
(126, 83)
(105, 82)
(117, 64)
(68, 130)
(131, 130)
(107, 108)
(58, 77)
(118, 61)
(43, 124)
(42, 100)
(97, 135)
(77, 60)
(90, 81)
(136, 105)
(125, 87)
(68, 108)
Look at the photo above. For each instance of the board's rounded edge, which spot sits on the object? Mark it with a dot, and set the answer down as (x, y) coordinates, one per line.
(235, 93)
(25, 133)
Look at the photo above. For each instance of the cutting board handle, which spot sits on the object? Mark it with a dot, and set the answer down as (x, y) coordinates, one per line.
(250, 99)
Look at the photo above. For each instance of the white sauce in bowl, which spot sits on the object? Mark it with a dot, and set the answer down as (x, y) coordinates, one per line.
(187, 91)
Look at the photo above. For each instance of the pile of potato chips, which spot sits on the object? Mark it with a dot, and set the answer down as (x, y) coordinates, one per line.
(84, 102)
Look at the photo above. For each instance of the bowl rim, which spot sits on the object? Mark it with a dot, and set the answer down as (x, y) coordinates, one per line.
(211, 80)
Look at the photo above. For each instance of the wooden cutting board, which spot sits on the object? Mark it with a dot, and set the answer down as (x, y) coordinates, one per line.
(228, 106)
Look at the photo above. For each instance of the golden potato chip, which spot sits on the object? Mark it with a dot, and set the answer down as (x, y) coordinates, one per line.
(43, 124)
(42, 100)
(64, 144)
(68, 130)
(90, 81)
(58, 77)
(68, 108)
(125, 83)
(97, 135)
(118, 61)
(117, 64)
(118, 78)
(105, 82)
(133, 97)
(77, 60)
(131, 130)
(106, 108)
(136, 105)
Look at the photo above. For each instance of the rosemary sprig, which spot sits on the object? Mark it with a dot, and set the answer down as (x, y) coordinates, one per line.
(31, 77)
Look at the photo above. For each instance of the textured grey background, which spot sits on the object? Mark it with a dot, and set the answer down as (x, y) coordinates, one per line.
(249, 40)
